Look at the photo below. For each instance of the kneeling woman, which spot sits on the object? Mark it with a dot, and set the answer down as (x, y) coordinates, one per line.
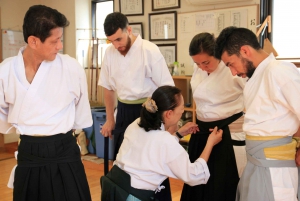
(149, 153)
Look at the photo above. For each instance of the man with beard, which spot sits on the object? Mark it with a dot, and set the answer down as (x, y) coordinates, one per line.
(272, 117)
(132, 68)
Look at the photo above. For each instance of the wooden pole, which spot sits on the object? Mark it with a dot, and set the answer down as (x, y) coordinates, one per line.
(92, 68)
(88, 68)
(97, 68)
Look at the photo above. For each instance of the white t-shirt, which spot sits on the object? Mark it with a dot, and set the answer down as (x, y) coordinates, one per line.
(150, 157)
(136, 75)
(55, 102)
(218, 95)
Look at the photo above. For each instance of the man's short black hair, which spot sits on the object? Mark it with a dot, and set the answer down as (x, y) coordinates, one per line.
(113, 22)
(231, 39)
(39, 20)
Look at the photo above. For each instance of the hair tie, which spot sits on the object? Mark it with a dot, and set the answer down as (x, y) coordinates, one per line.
(150, 105)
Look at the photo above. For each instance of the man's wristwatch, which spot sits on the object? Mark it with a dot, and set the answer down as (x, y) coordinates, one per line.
(178, 135)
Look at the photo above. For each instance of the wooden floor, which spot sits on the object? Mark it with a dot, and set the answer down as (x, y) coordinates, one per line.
(93, 171)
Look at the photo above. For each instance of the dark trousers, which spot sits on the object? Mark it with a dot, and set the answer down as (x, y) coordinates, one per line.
(50, 168)
(224, 178)
(126, 114)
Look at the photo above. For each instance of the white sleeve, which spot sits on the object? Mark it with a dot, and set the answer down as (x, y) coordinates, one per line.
(104, 76)
(176, 138)
(83, 116)
(4, 125)
(191, 173)
(288, 81)
(291, 94)
(160, 73)
(241, 81)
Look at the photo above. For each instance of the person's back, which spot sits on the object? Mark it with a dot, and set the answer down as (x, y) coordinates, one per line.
(150, 153)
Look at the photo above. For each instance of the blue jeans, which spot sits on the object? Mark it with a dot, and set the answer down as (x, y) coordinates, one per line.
(132, 198)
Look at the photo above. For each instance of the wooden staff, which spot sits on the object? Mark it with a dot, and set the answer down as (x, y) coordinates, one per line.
(97, 68)
(88, 66)
(101, 59)
(92, 67)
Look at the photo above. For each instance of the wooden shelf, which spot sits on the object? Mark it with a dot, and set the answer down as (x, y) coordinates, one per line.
(183, 77)
(183, 83)
(189, 109)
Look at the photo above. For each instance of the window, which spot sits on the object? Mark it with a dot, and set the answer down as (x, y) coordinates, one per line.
(93, 49)
(285, 28)
(102, 10)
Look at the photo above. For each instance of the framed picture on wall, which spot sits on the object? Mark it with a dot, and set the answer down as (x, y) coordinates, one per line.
(164, 5)
(137, 27)
(169, 51)
(132, 7)
(163, 26)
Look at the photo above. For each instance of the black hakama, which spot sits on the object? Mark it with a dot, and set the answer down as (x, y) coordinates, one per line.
(126, 114)
(223, 181)
(50, 169)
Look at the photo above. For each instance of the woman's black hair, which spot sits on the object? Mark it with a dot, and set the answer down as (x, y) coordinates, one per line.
(202, 43)
(166, 98)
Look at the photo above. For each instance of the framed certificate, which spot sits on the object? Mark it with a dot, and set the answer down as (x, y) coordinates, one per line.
(165, 4)
(137, 27)
(163, 26)
(132, 7)
(169, 51)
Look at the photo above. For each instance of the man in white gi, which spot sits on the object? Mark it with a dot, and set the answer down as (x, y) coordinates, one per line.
(43, 95)
(132, 68)
(272, 117)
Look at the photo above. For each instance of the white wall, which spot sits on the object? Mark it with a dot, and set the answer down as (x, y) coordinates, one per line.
(78, 12)
(12, 13)
(184, 8)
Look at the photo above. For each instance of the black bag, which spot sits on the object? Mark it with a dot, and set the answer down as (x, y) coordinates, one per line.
(116, 187)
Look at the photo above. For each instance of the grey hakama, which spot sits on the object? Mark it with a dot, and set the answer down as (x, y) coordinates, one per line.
(255, 183)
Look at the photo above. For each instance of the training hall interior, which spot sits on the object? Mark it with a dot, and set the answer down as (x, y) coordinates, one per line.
(273, 21)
